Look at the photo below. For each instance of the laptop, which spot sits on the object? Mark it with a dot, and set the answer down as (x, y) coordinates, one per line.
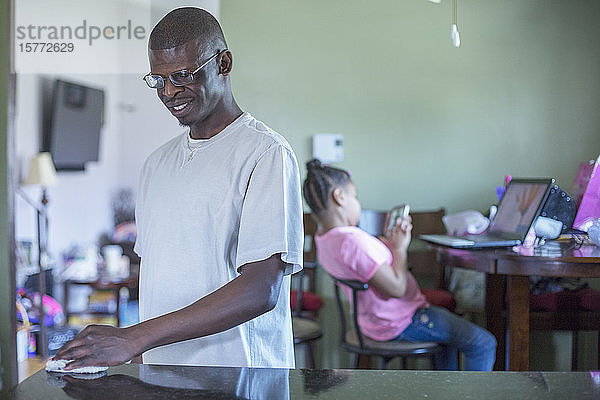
(521, 204)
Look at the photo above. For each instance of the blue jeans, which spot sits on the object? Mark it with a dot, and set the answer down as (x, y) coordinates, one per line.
(435, 324)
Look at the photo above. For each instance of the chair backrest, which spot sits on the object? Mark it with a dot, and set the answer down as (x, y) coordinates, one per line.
(310, 229)
(372, 221)
(423, 262)
(310, 251)
(428, 222)
(355, 286)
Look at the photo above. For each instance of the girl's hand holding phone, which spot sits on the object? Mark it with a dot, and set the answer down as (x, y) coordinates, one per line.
(399, 234)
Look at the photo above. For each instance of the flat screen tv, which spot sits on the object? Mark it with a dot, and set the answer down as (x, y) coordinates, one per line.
(74, 123)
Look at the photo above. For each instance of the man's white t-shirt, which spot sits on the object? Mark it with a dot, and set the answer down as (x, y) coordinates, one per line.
(236, 201)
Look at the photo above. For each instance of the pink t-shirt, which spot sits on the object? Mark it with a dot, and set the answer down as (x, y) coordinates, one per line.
(350, 253)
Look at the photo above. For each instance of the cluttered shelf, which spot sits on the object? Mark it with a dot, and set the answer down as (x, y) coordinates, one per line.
(108, 296)
(94, 289)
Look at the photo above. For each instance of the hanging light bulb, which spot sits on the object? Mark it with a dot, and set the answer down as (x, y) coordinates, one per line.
(454, 35)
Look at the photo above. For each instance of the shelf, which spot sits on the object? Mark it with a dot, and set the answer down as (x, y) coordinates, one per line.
(102, 284)
(81, 320)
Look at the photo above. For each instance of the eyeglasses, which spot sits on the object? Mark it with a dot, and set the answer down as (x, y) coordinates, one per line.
(178, 78)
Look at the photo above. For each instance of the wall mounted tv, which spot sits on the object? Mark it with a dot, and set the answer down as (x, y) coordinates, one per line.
(74, 123)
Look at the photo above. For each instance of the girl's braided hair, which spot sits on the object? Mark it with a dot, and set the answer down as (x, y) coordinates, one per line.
(320, 181)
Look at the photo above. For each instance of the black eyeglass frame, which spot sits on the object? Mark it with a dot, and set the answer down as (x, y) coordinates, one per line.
(161, 79)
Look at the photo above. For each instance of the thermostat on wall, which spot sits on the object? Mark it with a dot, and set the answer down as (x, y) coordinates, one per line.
(328, 147)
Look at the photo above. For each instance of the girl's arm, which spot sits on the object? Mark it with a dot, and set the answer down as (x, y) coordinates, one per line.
(390, 280)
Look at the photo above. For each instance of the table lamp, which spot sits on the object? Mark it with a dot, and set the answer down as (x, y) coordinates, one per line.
(43, 173)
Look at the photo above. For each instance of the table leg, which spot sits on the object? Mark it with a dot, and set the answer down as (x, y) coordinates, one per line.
(494, 321)
(118, 296)
(518, 322)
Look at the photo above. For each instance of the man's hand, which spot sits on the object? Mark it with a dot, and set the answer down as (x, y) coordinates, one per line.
(98, 345)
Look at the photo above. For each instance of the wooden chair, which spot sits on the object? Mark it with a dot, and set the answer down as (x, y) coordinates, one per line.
(304, 327)
(423, 262)
(353, 341)
(305, 330)
(310, 302)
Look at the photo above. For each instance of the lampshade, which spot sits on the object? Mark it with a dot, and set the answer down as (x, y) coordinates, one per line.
(41, 171)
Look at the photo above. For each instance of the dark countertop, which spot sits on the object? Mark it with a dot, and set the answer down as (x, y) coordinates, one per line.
(134, 382)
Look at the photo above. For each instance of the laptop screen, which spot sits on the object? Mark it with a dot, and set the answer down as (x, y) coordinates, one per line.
(520, 205)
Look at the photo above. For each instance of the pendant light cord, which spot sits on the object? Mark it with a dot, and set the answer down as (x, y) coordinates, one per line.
(454, 13)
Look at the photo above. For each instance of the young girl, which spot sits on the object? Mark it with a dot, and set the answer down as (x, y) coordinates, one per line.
(393, 308)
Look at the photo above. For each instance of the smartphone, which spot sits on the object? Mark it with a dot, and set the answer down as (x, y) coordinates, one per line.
(396, 213)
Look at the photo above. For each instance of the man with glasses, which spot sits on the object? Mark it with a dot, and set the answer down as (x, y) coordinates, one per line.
(219, 219)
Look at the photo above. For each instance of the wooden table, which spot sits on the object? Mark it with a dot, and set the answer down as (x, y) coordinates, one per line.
(508, 272)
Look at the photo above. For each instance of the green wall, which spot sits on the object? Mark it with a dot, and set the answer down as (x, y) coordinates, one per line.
(520, 96)
(7, 296)
(424, 122)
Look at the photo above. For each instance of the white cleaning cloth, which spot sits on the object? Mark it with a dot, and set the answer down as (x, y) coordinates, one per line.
(56, 378)
(59, 365)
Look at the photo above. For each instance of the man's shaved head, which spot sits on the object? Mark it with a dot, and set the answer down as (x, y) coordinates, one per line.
(184, 24)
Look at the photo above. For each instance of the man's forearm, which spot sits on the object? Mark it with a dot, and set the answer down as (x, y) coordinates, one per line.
(246, 297)
(252, 293)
